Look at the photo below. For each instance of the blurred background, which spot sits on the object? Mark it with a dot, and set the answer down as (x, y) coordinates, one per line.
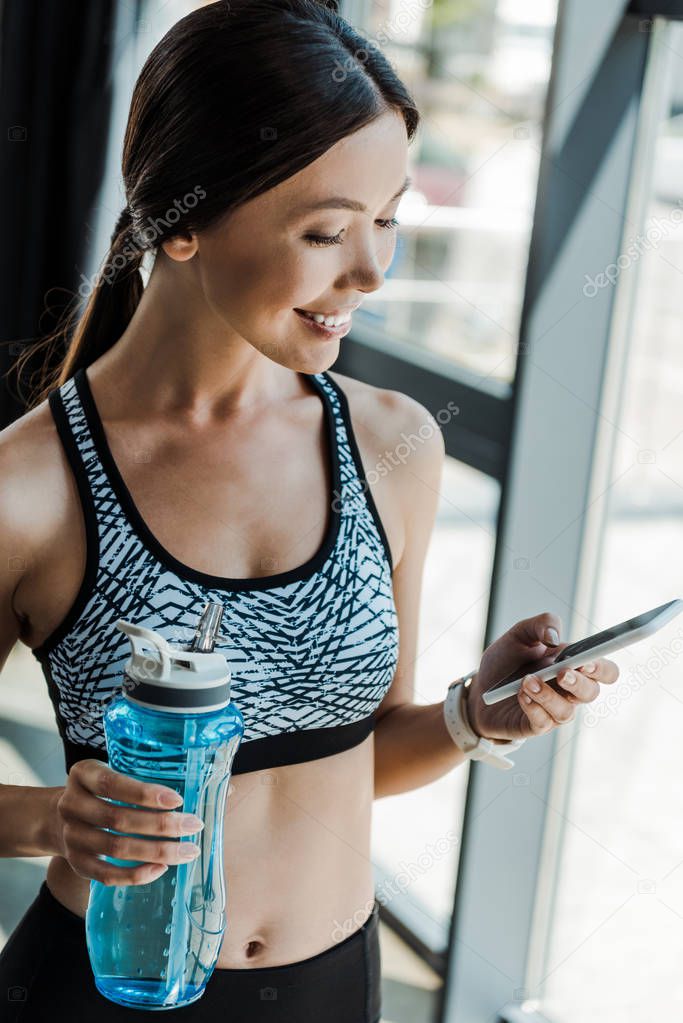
(537, 285)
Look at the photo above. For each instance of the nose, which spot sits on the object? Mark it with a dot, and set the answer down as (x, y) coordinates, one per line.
(367, 273)
(371, 282)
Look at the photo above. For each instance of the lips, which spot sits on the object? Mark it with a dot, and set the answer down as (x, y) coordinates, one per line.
(343, 313)
(331, 322)
(321, 330)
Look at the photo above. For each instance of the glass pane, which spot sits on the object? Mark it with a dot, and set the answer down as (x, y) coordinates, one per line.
(410, 988)
(416, 865)
(479, 71)
(615, 954)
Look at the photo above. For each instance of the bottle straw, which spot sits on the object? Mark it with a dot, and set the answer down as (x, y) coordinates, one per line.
(184, 872)
(209, 624)
(203, 641)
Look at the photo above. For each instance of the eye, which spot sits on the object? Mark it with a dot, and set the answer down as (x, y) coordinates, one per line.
(335, 239)
(316, 239)
(390, 224)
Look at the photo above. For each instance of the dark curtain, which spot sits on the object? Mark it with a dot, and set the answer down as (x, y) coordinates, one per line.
(55, 101)
(651, 8)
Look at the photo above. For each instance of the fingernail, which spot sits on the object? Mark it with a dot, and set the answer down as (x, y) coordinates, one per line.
(569, 678)
(532, 684)
(588, 668)
(189, 822)
(169, 799)
(552, 636)
(188, 851)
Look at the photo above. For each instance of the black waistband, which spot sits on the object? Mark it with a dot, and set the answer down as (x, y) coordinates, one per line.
(271, 751)
(345, 939)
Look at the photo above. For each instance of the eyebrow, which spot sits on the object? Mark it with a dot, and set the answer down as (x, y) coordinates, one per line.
(338, 202)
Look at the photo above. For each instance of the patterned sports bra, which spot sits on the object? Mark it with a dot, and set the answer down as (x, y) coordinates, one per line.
(312, 651)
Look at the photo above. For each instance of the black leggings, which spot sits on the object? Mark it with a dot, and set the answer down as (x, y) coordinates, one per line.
(45, 975)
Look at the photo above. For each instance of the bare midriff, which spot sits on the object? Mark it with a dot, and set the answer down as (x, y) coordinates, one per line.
(296, 861)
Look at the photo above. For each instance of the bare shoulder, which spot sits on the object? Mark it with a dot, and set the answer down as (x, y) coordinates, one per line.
(390, 420)
(403, 451)
(34, 482)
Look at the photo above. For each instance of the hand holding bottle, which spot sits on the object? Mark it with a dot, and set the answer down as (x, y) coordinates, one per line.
(172, 730)
(82, 812)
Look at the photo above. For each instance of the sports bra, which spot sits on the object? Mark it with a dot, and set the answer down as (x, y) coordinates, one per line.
(311, 651)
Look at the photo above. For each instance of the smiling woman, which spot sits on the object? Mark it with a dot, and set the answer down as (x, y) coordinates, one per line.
(179, 409)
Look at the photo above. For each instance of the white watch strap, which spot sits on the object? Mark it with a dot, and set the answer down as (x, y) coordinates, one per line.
(475, 747)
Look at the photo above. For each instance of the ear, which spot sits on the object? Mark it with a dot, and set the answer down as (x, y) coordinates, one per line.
(181, 246)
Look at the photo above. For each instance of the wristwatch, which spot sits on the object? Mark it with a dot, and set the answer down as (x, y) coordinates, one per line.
(475, 747)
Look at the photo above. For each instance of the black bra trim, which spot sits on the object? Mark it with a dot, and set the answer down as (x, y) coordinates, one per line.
(183, 571)
(269, 752)
(75, 461)
(298, 747)
(355, 452)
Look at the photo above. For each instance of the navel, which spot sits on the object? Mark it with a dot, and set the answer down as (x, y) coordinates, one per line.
(254, 948)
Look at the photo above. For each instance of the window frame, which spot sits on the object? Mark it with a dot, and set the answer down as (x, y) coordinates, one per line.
(503, 432)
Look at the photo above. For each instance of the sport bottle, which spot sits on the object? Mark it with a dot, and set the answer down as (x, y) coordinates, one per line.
(155, 945)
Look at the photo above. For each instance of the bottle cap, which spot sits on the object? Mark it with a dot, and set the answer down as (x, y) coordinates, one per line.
(164, 677)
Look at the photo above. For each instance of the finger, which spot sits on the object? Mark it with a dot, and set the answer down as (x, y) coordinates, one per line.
(601, 670)
(102, 781)
(539, 720)
(91, 841)
(90, 866)
(77, 805)
(531, 631)
(553, 703)
(579, 685)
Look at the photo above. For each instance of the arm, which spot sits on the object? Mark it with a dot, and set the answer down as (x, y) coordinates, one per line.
(26, 812)
(412, 744)
(412, 748)
(27, 821)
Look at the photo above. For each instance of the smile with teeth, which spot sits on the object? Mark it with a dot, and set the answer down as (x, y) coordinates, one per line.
(328, 321)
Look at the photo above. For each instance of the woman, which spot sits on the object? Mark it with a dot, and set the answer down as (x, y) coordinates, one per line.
(190, 441)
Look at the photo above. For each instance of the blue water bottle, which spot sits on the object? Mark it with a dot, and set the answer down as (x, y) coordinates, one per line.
(154, 946)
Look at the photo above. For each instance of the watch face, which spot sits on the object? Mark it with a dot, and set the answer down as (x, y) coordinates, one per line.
(463, 680)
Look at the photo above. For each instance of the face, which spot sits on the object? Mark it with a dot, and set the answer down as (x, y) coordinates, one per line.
(272, 255)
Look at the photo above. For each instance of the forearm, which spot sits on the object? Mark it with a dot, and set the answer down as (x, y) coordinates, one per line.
(27, 820)
(412, 748)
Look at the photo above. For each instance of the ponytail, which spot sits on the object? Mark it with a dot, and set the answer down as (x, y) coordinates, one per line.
(113, 298)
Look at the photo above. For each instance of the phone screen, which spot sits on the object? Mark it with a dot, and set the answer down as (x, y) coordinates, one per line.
(582, 644)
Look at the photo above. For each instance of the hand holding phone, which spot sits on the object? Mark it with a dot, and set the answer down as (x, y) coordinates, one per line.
(585, 650)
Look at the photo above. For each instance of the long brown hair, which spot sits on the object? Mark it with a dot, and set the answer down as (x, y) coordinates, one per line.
(236, 97)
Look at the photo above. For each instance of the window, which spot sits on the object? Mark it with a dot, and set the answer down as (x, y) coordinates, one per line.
(419, 863)
(617, 928)
(479, 72)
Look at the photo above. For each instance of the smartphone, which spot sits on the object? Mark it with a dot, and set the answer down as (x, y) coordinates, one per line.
(586, 650)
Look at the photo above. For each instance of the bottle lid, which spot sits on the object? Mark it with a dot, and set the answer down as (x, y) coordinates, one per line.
(164, 677)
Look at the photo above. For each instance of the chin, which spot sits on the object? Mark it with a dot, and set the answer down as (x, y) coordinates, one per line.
(314, 358)
(321, 357)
